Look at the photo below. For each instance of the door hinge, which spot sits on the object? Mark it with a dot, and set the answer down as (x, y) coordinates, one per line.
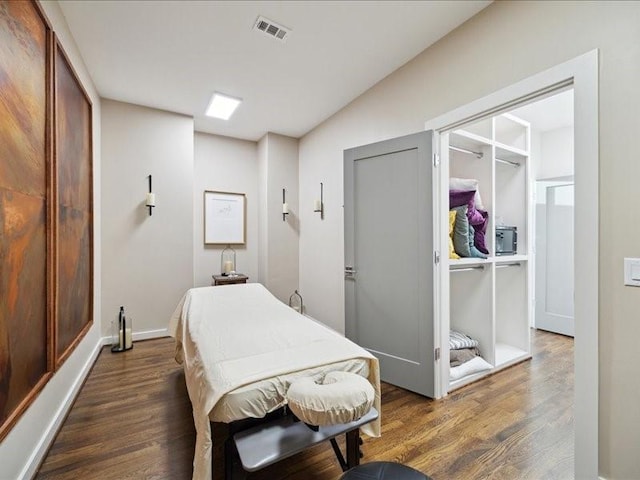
(436, 257)
(436, 159)
(349, 271)
(437, 354)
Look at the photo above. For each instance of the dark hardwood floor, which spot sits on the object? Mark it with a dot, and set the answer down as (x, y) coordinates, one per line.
(132, 420)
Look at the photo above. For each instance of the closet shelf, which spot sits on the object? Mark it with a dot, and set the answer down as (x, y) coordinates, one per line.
(512, 131)
(507, 355)
(474, 145)
(512, 154)
(502, 259)
(468, 262)
(468, 140)
(459, 263)
(522, 123)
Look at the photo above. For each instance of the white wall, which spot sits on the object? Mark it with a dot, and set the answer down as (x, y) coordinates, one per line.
(263, 225)
(282, 236)
(26, 444)
(147, 260)
(278, 169)
(505, 43)
(226, 165)
(557, 153)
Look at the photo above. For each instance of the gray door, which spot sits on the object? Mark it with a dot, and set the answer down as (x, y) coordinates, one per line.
(388, 214)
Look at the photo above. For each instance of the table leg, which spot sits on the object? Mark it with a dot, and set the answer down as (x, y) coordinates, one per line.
(221, 434)
(353, 447)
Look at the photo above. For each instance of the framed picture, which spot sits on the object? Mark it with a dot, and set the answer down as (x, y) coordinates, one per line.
(224, 218)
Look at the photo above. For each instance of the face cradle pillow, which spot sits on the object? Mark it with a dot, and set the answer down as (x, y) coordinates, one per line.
(342, 397)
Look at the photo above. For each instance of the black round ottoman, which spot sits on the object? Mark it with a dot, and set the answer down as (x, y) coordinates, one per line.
(383, 471)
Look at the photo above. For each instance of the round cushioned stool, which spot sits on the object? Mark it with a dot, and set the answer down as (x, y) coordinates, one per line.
(383, 471)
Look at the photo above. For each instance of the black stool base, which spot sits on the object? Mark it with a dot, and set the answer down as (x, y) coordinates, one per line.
(383, 471)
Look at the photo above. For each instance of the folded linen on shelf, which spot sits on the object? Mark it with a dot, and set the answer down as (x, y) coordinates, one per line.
(458, 357)
(475, 365)
(459, 340)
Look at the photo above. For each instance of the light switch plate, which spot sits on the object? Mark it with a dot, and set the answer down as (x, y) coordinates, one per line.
(632, 272)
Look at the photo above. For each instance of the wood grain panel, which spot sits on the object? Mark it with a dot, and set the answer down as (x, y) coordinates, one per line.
(23, 60)
(74, 276)
(24, 162)
(74, 239)
(133, 420)
(73, 136)
(23, 315)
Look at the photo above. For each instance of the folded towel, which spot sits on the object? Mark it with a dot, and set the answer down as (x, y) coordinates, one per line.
(459, 340)
(458, 357)
(477, 364)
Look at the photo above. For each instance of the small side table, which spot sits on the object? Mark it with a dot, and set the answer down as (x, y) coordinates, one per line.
(229, 279)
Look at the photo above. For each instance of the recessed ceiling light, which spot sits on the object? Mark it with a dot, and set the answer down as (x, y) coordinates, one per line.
(222, 106)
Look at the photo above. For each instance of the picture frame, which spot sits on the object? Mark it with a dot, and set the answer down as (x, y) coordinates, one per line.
(224, 218)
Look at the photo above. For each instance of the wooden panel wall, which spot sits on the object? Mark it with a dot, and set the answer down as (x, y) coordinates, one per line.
(74, 239)
(29, 310)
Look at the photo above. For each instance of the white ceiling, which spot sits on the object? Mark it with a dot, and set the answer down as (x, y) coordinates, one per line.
(172, 55)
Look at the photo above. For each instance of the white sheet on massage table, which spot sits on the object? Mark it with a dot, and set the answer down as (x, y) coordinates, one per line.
(259, 398)
(235, 335)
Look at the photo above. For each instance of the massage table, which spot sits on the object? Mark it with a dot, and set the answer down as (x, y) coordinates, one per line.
(241, 348)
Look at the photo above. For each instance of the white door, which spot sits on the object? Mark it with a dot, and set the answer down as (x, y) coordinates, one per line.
(388, 215)
(554, 259)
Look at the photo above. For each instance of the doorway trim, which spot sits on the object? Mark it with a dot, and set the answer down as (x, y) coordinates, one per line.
(582, 74)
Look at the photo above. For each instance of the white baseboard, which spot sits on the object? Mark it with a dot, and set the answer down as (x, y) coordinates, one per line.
(49, 434)
(145, 335)
(149, 334)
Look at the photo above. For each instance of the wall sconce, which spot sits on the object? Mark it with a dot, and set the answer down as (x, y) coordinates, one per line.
(285, 206)
(151, 198)
(318, 205)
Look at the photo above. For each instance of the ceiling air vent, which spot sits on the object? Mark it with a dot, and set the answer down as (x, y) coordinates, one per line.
(272, 29)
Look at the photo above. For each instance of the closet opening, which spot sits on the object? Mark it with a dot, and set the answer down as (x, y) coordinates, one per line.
(509, 187)
(515, 273)
(487, 165)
